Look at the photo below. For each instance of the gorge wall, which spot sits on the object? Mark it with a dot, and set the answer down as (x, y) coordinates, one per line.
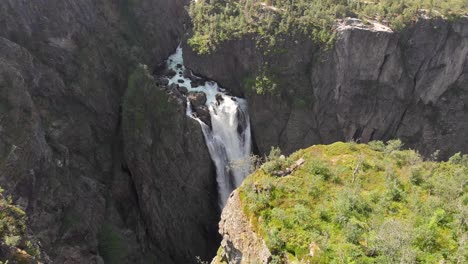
(96, 188)
(109, 168)
(372, 84)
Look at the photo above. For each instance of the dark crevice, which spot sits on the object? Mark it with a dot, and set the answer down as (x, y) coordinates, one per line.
(372, 134)
(285, 126)
(383, 64)
(357, 134)
(255, 149)
(400, 122)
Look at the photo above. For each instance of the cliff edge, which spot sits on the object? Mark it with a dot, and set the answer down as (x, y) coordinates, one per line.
(349, 202)
(374, 83)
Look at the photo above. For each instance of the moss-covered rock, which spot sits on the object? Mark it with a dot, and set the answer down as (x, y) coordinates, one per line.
(356, 203)
(15, 245)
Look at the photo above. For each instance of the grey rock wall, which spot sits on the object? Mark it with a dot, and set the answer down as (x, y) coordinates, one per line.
(372, 84)
(64, 66)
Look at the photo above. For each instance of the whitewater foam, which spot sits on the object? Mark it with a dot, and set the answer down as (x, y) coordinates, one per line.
(229, 138)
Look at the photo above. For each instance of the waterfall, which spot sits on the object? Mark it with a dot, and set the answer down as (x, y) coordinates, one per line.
(228, 139)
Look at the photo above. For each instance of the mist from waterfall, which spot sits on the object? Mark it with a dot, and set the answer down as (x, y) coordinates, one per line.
(229, 138)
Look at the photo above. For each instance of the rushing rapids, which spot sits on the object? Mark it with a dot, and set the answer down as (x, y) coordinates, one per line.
(228, 139)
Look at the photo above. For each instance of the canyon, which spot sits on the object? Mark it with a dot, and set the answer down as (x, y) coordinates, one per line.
(107, 164)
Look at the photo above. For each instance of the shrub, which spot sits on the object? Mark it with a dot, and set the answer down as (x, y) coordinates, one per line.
(12, 241)
(13, 229)
(395, 190)
(275, 161)
(459, 159)
(377, 145)
(416, 177)
(318, 168)
(401, 210)
(393, 145)
(392, 239)
(215, 21)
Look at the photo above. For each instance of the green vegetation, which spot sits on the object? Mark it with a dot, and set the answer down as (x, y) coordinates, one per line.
(356, 203)
(13, 233)
(272, 21)
(262, 84)
(12, 222)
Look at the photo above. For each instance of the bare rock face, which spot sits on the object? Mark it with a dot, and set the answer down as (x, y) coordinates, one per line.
(240, 245)
(64, 68)
(172, 171)
(197, 98)
(374, 84)
(203, 113)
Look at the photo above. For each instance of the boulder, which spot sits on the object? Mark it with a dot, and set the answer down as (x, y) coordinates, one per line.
(196, 83)
(197, 98)
(162, 81)
(170, 73)
(203, 113)
(219, 98)
(183, 90)
(188, 74)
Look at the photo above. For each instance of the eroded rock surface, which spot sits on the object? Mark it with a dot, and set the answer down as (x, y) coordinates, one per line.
(373, 84)
(172, 170)
(64, 68)
(240, 245)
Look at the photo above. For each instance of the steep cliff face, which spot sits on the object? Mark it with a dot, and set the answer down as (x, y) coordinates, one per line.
(63, 73)
(173, 173)
(372, 84)
(241, 243)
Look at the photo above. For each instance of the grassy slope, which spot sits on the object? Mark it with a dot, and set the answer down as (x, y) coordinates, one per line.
(356, 203)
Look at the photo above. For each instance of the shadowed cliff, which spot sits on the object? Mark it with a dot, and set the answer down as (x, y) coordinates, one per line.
(64, 69)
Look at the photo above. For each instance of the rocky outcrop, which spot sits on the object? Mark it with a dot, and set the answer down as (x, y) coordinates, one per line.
(372, 84)
(240, 245)
(302, 217)
(172, 171)
(197, 98)
(64, 66)
(101, 187)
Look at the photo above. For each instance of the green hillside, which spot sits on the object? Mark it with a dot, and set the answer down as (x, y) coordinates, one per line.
(356, 203)
(271, 21)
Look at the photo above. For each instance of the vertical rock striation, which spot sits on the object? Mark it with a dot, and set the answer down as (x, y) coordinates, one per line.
(172, 171)
(64, 66)
(372, 84)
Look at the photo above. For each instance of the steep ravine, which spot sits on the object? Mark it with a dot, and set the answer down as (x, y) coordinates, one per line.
(372, 84)
(92, 189)
(109, 168)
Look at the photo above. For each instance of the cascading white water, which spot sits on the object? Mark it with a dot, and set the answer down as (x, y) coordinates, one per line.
(229, 138)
